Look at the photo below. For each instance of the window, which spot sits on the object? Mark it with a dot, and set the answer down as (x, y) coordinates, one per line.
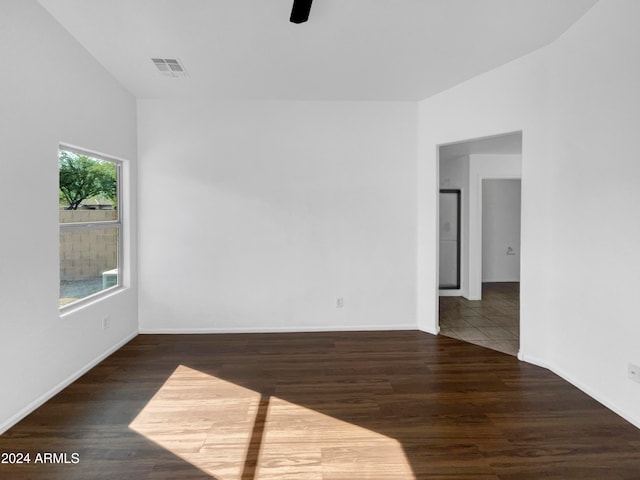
(90, 225)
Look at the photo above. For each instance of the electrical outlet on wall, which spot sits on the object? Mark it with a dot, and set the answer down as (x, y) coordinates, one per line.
(633, 372)
(106, 321)
(339, 302)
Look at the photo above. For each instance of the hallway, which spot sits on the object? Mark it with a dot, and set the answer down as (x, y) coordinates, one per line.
(493, 322)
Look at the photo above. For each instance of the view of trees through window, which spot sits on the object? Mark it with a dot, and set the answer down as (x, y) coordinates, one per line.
(90, 228)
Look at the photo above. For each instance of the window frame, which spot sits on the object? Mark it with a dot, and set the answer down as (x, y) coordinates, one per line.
(97, 225)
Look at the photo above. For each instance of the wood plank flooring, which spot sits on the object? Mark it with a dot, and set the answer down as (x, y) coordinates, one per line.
(321, 406)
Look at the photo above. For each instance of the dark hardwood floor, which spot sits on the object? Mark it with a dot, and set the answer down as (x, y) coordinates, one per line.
(349, 406)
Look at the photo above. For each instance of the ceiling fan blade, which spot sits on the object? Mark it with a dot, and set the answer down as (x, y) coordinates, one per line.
(300, 11)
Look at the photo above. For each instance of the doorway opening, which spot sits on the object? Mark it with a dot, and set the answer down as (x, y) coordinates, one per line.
(484, 309)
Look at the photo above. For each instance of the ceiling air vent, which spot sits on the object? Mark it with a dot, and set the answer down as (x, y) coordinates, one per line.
(170, 67)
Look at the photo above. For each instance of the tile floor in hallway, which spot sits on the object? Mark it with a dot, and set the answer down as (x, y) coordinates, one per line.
(493, 322)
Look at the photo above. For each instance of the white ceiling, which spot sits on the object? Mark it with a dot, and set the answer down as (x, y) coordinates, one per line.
(349, 49)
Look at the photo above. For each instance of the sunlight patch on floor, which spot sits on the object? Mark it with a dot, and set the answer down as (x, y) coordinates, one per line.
(211, 423)
(202, 419)
(306, 444)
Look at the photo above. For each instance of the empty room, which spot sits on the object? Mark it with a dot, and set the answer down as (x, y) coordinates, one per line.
(228, 257)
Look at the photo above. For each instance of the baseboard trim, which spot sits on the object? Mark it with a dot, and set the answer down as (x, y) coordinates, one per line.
(11, 421)
(290, 329)
(599, 398)
(430, 331)
(523, 357)
(580, 386)
(450, 293)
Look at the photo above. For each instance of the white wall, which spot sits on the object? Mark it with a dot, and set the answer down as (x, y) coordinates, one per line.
(454, 173)
(51, 91)
(577, 103)
(501, 230)
(256, 216)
